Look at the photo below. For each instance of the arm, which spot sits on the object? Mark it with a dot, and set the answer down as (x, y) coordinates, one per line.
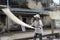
(33, 24)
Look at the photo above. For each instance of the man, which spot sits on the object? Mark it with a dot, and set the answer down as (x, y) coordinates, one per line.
(38, 26)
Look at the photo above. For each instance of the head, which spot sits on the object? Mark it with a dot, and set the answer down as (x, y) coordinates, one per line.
(37, 16)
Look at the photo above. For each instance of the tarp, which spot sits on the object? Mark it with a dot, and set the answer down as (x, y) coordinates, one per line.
(54, 15)
(33, 5)
(14, 18)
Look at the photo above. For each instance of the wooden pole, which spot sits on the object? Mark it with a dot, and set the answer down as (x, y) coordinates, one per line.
(7, 16)
(52, 26)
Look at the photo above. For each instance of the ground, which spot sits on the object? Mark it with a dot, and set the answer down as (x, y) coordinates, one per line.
(18, 35)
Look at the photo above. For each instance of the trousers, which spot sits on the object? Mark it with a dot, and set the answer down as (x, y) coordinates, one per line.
(39, 35)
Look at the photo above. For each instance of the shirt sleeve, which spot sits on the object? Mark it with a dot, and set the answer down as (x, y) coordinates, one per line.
(41, 24)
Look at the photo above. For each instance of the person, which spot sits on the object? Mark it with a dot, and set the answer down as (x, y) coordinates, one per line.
(38, 27)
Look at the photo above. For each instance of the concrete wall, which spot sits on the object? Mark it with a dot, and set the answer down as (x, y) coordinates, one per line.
(46, 20)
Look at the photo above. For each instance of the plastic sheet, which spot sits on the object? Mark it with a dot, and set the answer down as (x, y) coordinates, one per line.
(14, 18)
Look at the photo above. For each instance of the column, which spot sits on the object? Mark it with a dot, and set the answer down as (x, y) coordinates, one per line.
(8, 23)
(32, 20)
(22, 27)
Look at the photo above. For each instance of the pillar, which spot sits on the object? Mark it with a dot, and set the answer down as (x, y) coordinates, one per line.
(23, 27)
(8, 23)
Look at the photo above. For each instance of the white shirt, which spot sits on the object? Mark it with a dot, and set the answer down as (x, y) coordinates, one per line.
(38, 28)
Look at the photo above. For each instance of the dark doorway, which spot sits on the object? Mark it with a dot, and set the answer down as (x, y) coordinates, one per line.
(24, 20)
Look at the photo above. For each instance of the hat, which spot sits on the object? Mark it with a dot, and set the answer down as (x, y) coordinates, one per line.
(37, 15)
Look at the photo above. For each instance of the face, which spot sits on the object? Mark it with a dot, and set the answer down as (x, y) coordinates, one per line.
(36, 18)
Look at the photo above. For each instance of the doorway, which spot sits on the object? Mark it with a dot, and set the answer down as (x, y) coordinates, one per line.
(23, 27)
(24, 19)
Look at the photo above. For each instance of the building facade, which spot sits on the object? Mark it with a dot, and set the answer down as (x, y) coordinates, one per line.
(24, 16)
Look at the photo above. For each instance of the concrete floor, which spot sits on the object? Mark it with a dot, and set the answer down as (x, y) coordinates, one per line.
(18, 35)
(7, 38)
(46, 39)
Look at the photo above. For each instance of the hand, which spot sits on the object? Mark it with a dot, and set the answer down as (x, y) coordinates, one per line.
(32, 27)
